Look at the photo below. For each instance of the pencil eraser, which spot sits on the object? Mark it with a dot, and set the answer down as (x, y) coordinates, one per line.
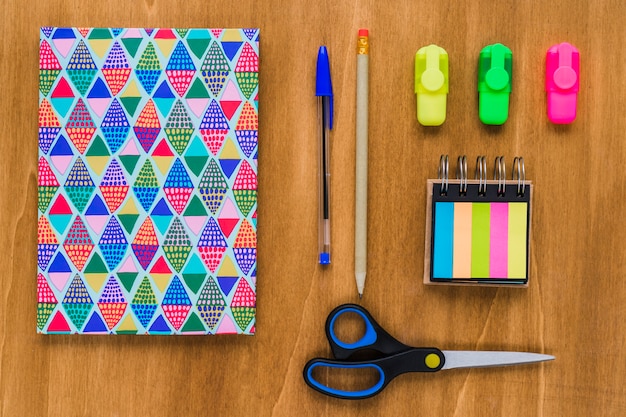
(494, 84)
(363, 32)
(562, 82)
(431, 85)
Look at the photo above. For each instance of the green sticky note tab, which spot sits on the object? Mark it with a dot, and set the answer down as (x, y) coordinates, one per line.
(481, 214)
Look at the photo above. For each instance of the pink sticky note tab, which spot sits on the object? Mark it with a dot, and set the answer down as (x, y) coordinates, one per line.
(562, 82)
(498, 240)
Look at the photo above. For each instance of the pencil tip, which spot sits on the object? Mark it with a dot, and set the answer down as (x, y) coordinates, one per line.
(360, 296)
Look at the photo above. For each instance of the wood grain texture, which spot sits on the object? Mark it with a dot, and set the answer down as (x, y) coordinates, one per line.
(574, 307)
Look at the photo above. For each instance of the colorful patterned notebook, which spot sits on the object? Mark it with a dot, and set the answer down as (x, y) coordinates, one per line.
(147, 181)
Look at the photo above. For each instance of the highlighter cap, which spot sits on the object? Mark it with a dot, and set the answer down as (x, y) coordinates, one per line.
(562, 82)
(495, 71)
(431, 84)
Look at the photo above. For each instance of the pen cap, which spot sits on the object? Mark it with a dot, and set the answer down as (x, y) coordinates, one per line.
(323, 83)
(495, 71)
(562, 82)
(431, 84)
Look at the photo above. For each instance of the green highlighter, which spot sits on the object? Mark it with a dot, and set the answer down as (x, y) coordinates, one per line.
(494, 84)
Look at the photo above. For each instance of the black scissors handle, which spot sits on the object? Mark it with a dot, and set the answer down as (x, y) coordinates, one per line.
(394, 358)
(374, 339)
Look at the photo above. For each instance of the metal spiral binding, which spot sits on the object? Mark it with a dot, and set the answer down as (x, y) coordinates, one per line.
(499, 174)
(480, 174)
(519, 175)
(461, 174)
(443, 173)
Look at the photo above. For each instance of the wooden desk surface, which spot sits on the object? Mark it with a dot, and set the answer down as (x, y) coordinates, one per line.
(574, 308)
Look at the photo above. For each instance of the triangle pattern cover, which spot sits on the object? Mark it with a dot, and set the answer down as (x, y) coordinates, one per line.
(147, 181)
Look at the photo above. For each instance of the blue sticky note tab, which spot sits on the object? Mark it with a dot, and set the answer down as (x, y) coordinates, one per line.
(443, 240)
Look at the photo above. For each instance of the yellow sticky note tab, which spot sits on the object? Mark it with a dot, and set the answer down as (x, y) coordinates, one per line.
(518, 229)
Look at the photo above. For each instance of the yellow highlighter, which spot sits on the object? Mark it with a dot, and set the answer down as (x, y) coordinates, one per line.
(431, 85)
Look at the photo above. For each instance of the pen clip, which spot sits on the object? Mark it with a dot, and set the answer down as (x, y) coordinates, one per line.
(497, 78)
(565, 75)
(432, 78)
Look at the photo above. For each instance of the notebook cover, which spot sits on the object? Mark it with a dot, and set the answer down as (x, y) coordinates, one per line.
(147, 181)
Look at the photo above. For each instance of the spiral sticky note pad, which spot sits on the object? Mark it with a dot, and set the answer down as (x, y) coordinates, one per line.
(478, 232)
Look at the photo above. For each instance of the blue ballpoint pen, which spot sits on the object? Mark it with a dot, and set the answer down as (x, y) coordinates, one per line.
(324, 92)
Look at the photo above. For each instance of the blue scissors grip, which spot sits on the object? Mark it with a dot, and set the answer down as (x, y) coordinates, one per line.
(337, 393)
(368, 339)
(375, 337)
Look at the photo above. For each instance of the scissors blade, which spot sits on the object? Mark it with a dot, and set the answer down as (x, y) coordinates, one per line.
(483, 359)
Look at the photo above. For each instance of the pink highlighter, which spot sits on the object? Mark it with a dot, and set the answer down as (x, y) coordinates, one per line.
(562, 82)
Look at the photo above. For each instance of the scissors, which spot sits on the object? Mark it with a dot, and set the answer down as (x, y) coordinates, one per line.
(395, 358)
